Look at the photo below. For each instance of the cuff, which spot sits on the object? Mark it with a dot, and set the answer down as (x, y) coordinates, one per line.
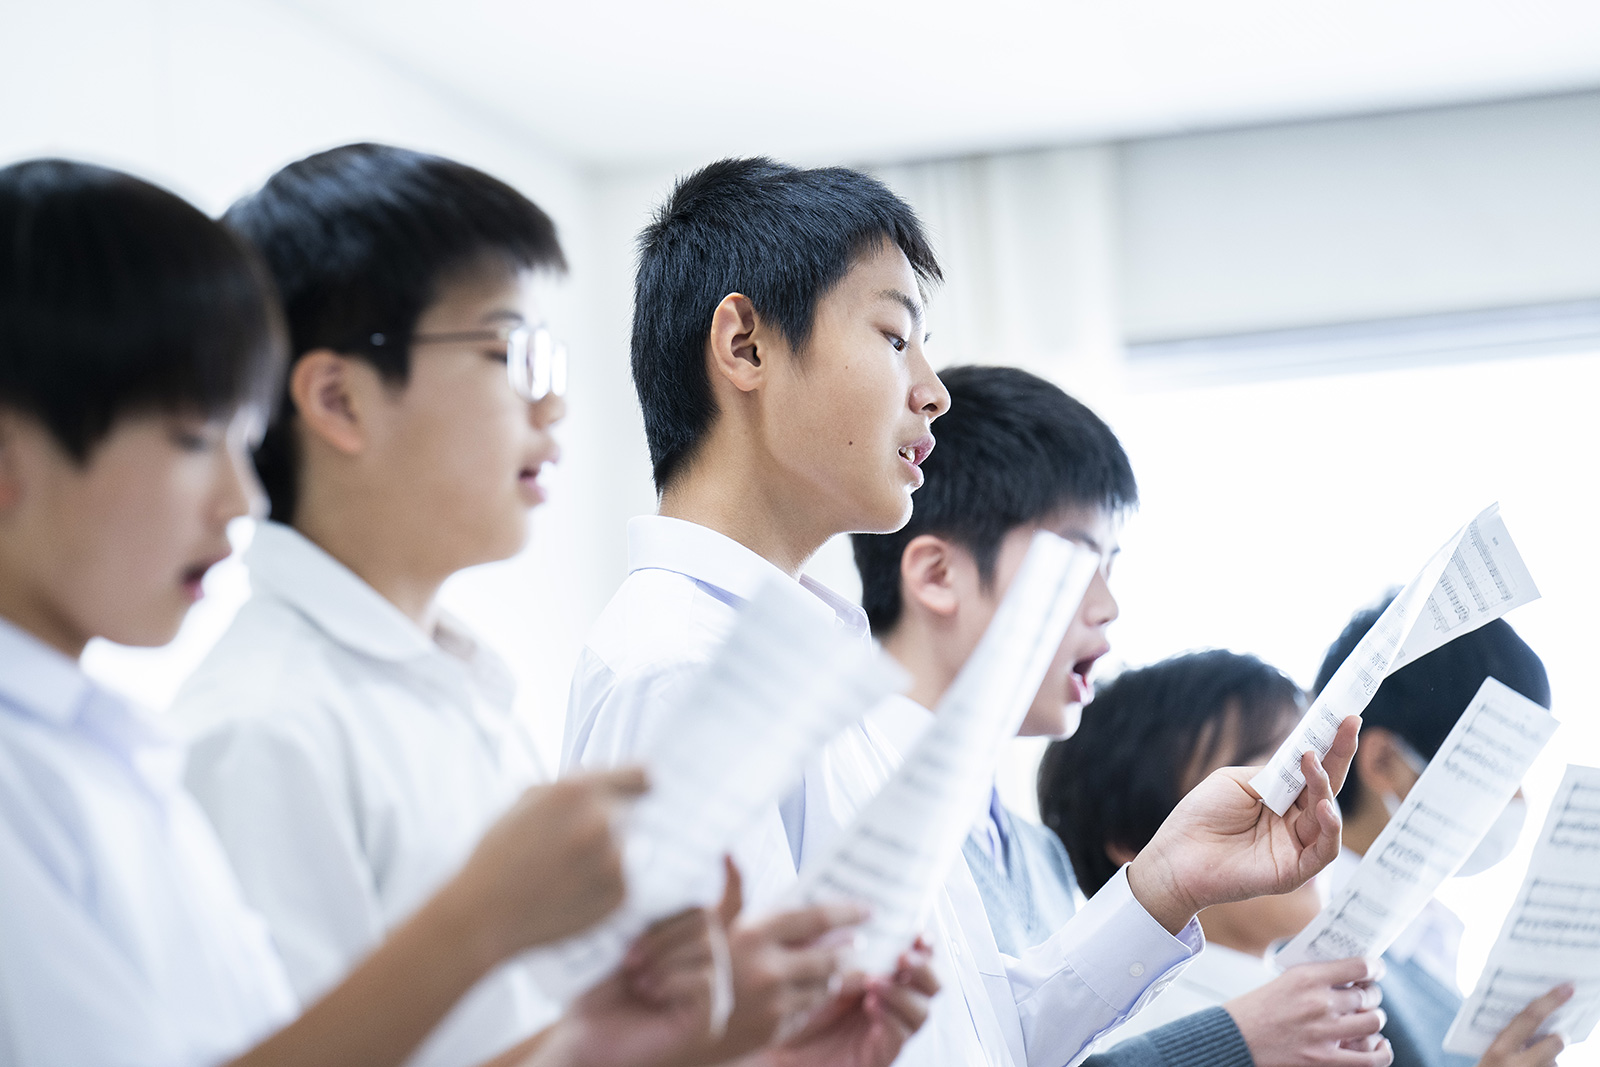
(1207, 1038)
(1122, 953)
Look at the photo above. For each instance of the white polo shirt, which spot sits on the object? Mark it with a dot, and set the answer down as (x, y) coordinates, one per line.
(666, 621)
(124, 939)
(350, 762)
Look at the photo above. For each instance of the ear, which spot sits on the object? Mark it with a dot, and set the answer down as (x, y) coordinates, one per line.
(1381, 766)
(928, 575)
(324, 386)
(731, 346)
(1120, 854)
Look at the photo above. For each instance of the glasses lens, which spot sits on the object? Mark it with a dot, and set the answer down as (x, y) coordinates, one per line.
(517, 362)
(539, 365)
(558, 370)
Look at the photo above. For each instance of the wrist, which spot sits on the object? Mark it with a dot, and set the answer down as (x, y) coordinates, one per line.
(1160, 893)
(464, 922)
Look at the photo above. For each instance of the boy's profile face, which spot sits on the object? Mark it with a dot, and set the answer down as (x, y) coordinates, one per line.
(1058, 705)
(456, 447)
(848, 422)
(116, 547)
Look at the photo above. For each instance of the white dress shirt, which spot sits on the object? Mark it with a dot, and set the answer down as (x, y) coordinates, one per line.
(350, 762)
(1215, 977)
(124, 940)
(666, 621)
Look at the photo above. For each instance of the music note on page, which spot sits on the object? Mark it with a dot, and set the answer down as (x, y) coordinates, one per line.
(1476, 577)
(1552, 933)
(785, 682)
(1458, 797)
(896, 853)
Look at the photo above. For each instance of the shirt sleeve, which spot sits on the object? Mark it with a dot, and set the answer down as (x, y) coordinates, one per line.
(277, 797)
(67, 996)
(1095, 972)
(1208, 1038)
(621, 714)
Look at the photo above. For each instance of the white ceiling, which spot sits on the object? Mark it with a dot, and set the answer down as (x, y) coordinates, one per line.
(619, 82)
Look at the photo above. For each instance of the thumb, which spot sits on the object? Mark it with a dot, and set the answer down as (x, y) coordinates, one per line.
(622, 781)
(732, 894)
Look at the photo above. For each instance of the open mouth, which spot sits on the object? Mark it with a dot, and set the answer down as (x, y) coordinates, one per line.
(193, 578)
(1083, 688)
(917, 450)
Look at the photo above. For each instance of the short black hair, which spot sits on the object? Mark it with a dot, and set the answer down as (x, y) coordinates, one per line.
(118, 297)
(1422, 700)
(1013, 449)
(360, 239)
(1116, 780)
(780, 235)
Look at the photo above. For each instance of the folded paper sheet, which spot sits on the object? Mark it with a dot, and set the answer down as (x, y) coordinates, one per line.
(1552, 933)
(1475, 578)
(895, 855)
(785, 682)
(1450, 809)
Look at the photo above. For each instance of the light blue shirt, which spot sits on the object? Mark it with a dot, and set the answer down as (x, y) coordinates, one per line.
(123, 936)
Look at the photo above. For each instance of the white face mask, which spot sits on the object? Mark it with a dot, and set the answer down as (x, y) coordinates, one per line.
(1496, 845)
(1500, 840)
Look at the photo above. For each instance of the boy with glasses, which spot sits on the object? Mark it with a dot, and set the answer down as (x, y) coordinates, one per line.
(351, 740)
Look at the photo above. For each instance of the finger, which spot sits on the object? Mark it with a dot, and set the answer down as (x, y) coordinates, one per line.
(1358, 1024)
(906, 1007)
(1318, 789)
(815, 966)
(1356, 998)
(722, 998)
(1520, 1030)
(1338, 972)
(1342, 751)
(1541, 1053)
(685, 929)
(807, 924)
(1363, 1042)
(622, 782)
(1382, 1056)
(920, 978)
(732, 893)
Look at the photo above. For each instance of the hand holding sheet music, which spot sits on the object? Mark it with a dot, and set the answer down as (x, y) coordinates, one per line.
(1476, 577)
(1466, 785)
(1552, 933)
(783, 684)
(896, 853)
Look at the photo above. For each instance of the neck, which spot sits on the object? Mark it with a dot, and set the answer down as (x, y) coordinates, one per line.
(739, 500)
(40, 621)
(931, 671)
(1362, 826)
(399, 573)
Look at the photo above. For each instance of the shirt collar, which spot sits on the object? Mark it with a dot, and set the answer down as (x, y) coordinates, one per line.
(38, 680)
(724, 566)
(285, 564)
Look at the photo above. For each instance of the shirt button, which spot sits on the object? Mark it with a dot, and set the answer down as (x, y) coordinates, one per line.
(1136, 970)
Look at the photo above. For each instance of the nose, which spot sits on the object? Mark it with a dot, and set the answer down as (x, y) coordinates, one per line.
(545, 413)
(1099, 605)
(238, 490)
(929, 397)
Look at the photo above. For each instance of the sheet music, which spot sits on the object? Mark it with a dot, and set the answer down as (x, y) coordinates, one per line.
(1476, 577)
(897, 852)
(1450, 809)
(1552, 933)
(785, 683)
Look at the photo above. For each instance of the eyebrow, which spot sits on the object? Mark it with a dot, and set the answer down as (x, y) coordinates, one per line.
(912, 306)
(503, 315)
(1072, 534)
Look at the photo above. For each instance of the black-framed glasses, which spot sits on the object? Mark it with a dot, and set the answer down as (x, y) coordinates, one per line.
(536, 365)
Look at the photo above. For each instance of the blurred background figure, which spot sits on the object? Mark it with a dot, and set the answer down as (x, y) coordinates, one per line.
(1149, 737)
(1411, 714)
